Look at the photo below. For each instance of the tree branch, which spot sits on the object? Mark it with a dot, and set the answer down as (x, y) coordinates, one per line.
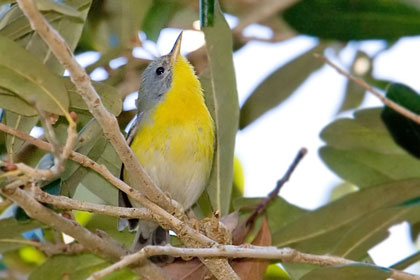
(90, 241)
(396, 107)
(66, 203)
(285, 255)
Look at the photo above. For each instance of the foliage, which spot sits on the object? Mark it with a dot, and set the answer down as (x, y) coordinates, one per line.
(375, 152)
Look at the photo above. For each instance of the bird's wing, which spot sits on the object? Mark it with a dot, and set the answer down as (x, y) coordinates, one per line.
(123, 200)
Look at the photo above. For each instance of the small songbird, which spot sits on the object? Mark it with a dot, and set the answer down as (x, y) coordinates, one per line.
(172, 137)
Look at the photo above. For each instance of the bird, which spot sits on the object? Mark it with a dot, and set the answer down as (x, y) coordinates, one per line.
(173, 137)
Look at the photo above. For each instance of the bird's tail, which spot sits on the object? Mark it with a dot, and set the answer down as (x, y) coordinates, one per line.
(147, 236)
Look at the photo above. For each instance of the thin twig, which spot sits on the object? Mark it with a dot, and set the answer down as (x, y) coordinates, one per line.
(66, 203)
(396, 107)
(285, 255)
(273, 194)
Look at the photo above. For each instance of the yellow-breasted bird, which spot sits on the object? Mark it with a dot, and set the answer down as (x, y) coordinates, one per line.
(172, 137)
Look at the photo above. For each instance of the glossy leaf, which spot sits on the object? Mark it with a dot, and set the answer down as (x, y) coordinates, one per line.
(319, 231)
(76, 267)
(347, 20)
(349, 272)
(404, 131)
(280, 85)
(361, 151)
(26, 76)
(219, 86)
(275, 272)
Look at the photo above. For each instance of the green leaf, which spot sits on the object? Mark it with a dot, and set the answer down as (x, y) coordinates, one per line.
(12, 102)
(207, 13)
(19, 122)
(76, 267)
(319, 231)
(219, 86)
(371, 230)
(349, 272)
(51, 5)
(17, 28)
(158, 17)
(275, 272)
(100, 186)
(403, 130)
(115, 23)
(26, 76)
(347, 20)
(91, 143)
(10, 228)
(109, 96)
(355, 94)
(361, 151)
(109, 225)
(280, 85)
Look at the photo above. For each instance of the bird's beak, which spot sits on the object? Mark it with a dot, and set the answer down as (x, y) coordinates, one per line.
(176, 50)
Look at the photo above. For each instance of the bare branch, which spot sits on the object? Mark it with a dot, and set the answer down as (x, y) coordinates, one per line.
(396, 107)
(64, 202)
(285, 255)
(89, 240)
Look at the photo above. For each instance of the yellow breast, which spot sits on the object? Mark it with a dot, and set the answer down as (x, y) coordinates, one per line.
(175, 143)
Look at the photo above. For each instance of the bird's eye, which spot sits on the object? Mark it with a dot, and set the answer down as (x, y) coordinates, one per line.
(159, 71)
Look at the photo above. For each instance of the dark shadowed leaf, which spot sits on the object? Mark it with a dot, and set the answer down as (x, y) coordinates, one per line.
(346, 20)
(14, 144)
(404, 131)
(280, 85)
(361, 151)
(10, 228)
(319, 231)
(115, 24)
(76, 267)
(219, 86)
(349, 272)
(23, 74)
(158, 17)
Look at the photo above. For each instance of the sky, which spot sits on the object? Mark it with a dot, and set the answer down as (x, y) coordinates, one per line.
(267, 147)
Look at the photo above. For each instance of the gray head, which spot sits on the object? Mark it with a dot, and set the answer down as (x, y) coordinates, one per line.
(157, 79)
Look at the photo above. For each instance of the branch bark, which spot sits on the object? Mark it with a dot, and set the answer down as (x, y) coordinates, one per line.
(90, 241)
(285, 255)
